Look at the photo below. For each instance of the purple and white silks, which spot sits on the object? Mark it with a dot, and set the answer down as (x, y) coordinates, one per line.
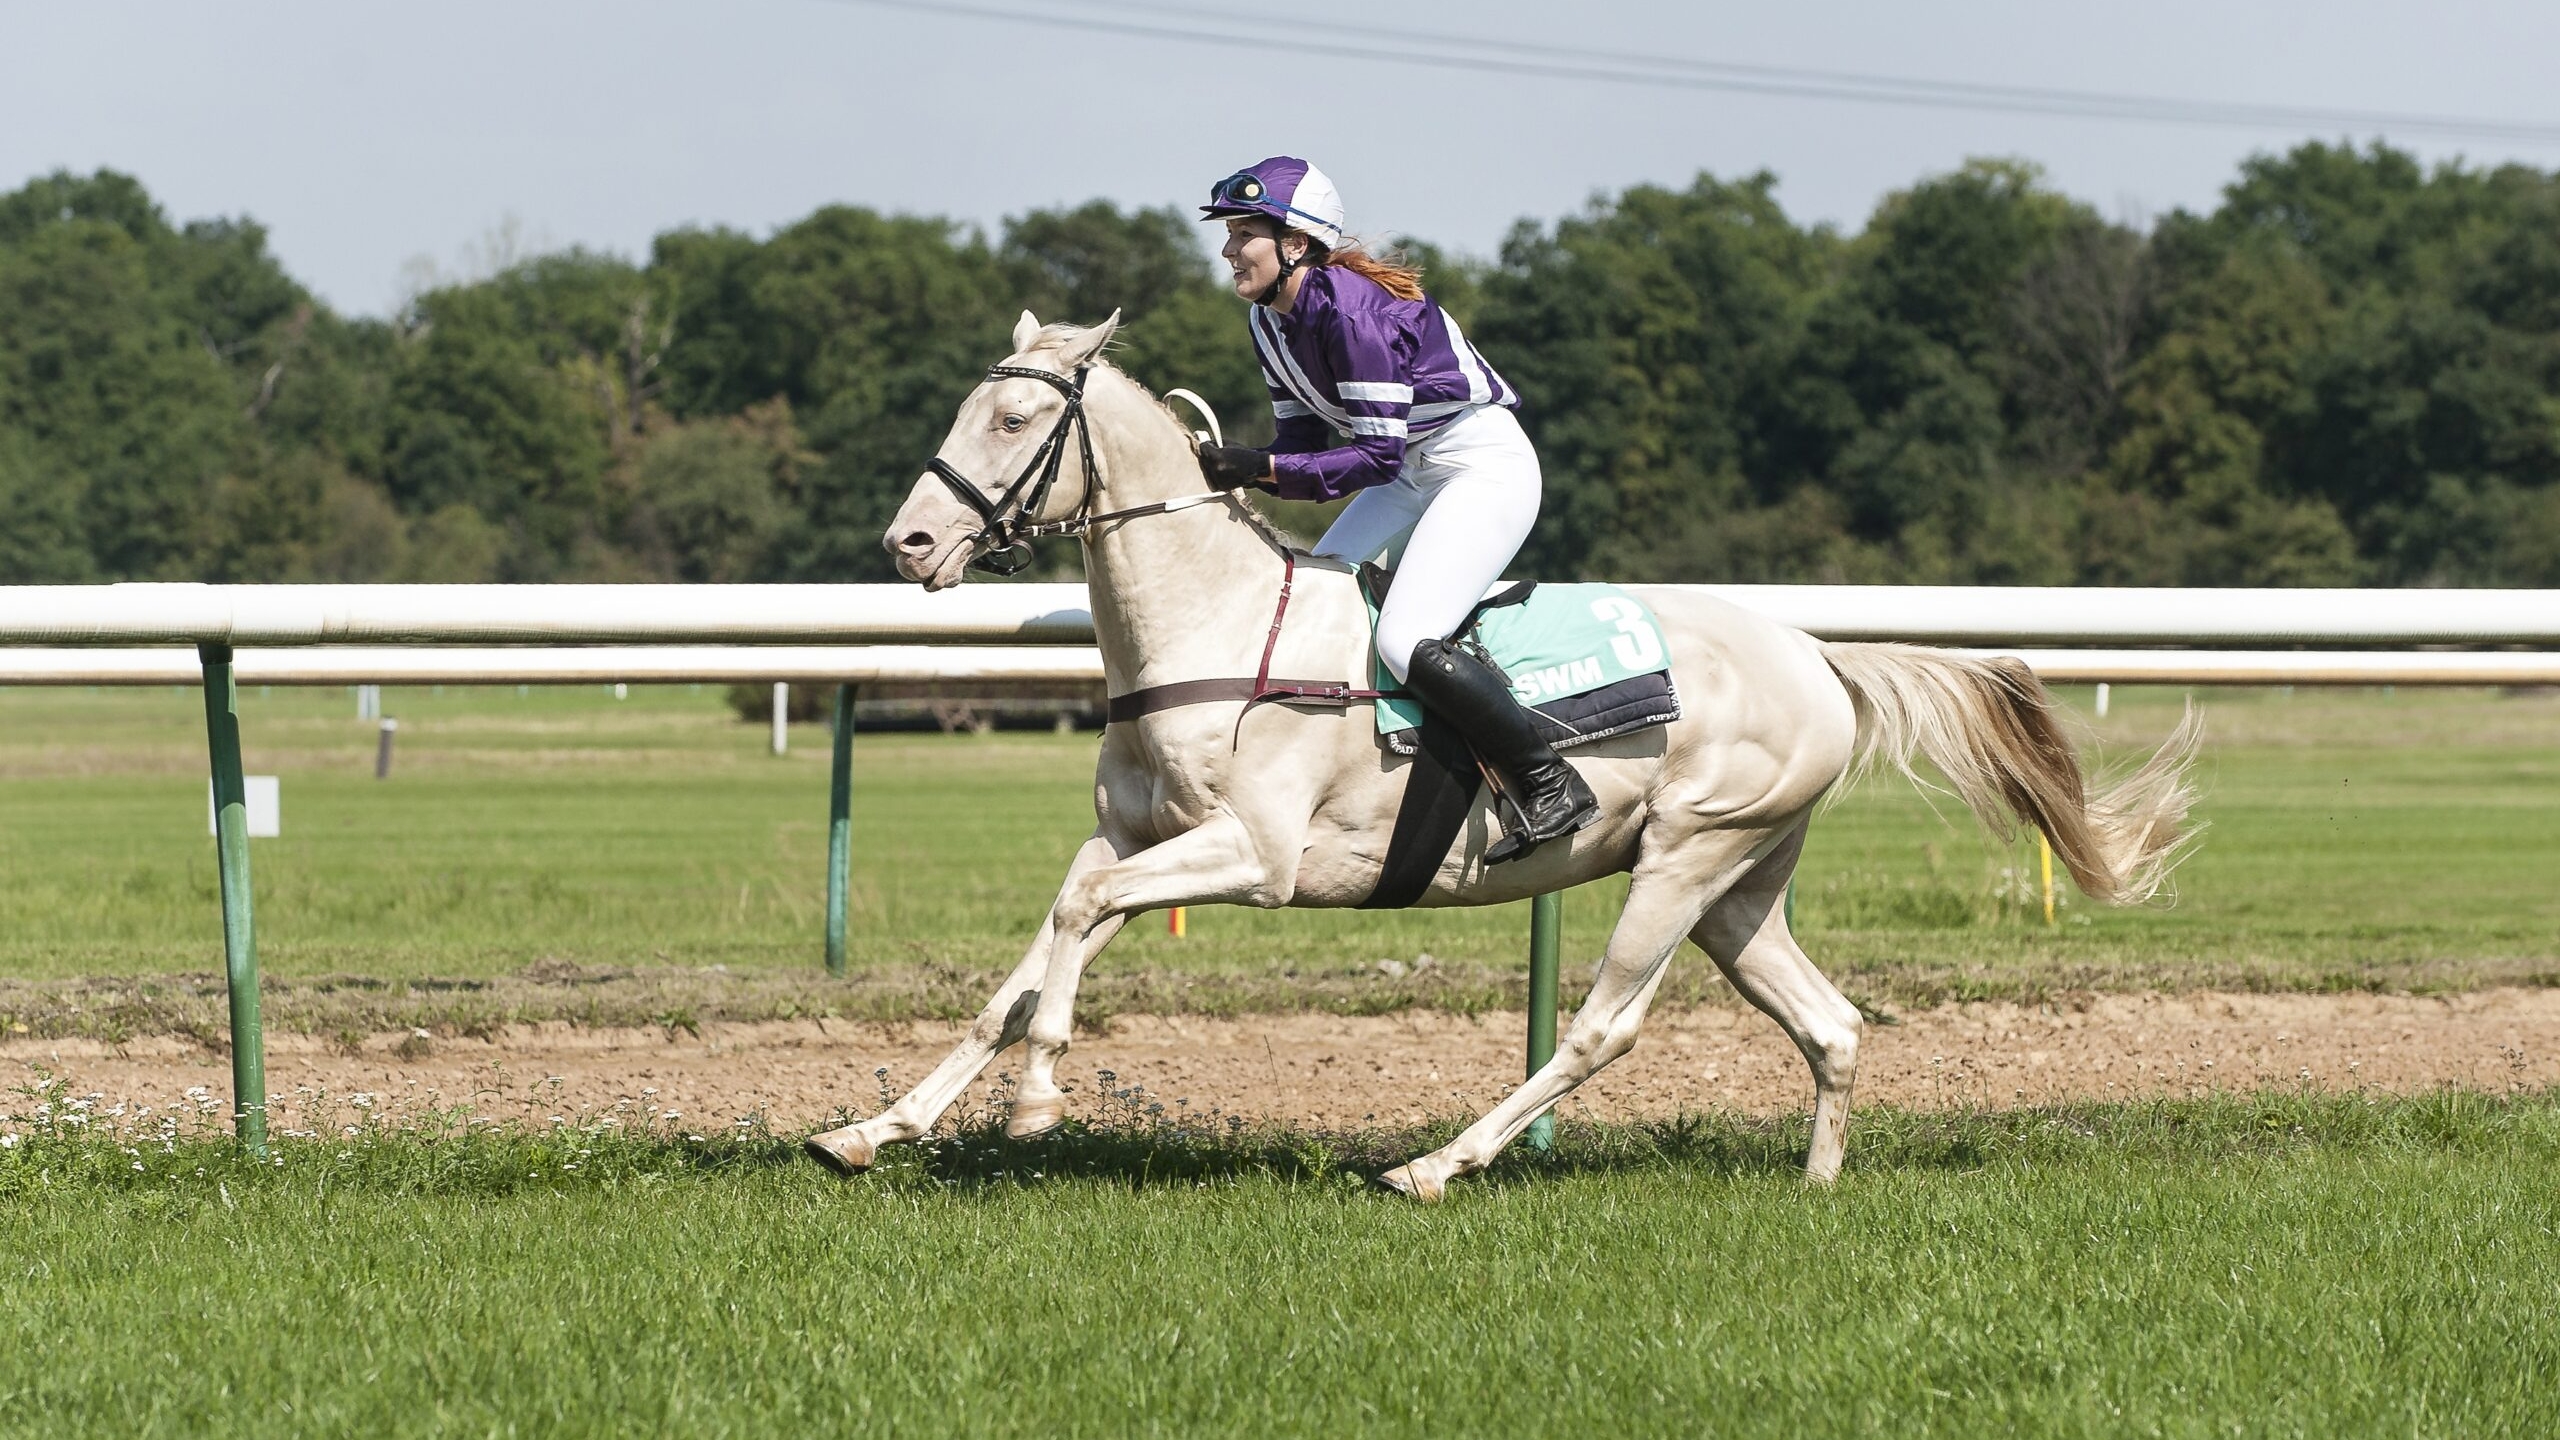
(1353, 359)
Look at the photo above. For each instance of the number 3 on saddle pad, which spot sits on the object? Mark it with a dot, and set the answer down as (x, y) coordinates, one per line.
(1588, 660)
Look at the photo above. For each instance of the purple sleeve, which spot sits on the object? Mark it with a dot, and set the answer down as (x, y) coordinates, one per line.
(1295, 430)
(1371, 359)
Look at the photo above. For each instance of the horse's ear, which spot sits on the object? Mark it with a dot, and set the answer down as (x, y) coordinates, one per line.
(1081, 348)
(1025, 330)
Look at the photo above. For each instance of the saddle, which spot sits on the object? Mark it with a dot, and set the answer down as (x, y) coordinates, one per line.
(1586, 661)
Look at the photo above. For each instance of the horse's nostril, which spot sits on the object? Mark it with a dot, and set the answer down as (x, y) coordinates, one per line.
(916, 542)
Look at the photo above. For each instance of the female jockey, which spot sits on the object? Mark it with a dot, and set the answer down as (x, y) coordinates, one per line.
(1436, 464)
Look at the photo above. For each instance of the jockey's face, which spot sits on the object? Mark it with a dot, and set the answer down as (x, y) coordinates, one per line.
(1252, 252)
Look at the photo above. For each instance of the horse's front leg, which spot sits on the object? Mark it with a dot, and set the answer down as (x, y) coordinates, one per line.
(850, 1150)
(1216, 863)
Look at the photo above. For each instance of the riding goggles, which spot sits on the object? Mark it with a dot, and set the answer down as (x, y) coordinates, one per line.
(1242, 188)
(1245, 190)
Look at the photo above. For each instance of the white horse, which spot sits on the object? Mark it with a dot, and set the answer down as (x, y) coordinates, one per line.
(1277, 804)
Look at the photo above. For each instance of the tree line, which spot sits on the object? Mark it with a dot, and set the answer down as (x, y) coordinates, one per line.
(2347, 373)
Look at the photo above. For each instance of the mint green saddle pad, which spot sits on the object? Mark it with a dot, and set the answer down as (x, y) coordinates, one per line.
(1588, 660)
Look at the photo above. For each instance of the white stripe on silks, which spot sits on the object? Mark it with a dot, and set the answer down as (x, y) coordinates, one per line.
(1266, 333)
(1376, 425)
(1478, 392)
(1289, 410)
(1376, 392)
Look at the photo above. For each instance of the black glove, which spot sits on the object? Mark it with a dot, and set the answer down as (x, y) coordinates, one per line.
(1232, 467)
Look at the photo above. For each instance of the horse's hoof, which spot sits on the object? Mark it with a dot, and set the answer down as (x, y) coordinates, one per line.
(844, 1151)
(1030, 1119)
(1414, 1184)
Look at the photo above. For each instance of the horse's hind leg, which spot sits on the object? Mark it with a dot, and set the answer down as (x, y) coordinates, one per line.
(1004, 1021)
(1665, 898)
(1746, 934)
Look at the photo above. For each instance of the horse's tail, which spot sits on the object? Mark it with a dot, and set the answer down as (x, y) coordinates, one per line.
(1991, 728)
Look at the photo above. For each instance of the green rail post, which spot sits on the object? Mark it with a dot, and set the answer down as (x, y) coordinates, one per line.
(839, 828)
(239, 937)
(1546, 915)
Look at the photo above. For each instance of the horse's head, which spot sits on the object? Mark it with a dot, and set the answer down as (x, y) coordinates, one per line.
(1016, 455)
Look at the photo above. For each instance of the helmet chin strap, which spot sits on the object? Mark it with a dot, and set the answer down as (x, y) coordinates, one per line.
(1288, 267)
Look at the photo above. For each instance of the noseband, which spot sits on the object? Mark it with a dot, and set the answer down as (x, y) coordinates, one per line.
(1005, 528)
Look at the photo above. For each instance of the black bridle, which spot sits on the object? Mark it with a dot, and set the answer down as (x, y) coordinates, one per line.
(1008, 534)
(1006, 530)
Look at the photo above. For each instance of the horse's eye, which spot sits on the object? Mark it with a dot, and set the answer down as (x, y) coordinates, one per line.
(1012, 423)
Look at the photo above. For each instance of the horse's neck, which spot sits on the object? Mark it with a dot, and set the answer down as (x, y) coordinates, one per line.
(1180, 596)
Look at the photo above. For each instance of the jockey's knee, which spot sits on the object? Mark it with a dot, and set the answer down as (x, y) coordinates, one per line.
(1396, 639)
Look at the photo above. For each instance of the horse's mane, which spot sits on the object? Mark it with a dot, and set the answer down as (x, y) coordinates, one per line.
(1059, 332)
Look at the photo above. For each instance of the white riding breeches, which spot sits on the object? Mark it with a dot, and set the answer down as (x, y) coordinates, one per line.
(1448, 525)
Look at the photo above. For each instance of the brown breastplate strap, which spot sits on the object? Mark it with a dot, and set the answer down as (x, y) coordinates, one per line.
(1139, 703)
(1254, 689)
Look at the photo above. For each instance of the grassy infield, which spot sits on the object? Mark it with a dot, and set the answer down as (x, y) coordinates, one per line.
(2255, 1264)
(525, 845)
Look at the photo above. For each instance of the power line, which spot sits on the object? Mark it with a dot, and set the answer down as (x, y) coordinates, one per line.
(1398, 46)
(1889, 87)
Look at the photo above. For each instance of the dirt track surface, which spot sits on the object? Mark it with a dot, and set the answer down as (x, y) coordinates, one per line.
(1347, 1072)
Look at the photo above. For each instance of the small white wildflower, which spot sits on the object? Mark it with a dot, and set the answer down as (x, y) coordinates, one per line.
(8, 1141)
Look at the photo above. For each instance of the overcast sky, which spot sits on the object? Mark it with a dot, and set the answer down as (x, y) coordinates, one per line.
(367, 136)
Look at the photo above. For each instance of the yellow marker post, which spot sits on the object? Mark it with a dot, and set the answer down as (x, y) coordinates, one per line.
(2044, 861)
(1177, 921)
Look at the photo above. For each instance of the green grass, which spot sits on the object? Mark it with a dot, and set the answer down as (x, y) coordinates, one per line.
(559, 849)
(2269, 1265)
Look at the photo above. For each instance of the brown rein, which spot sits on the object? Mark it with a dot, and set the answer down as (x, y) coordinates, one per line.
(1011, 533)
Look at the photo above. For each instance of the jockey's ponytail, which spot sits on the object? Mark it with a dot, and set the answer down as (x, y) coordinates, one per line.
(1392, 275)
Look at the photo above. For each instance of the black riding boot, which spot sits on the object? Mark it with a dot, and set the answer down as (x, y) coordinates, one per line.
(1474, 697)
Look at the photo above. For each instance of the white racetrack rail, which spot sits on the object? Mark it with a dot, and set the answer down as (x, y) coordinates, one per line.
(1056, 614)
(858, 664)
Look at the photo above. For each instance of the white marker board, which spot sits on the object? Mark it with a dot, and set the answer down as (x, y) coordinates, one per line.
(266, 807)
